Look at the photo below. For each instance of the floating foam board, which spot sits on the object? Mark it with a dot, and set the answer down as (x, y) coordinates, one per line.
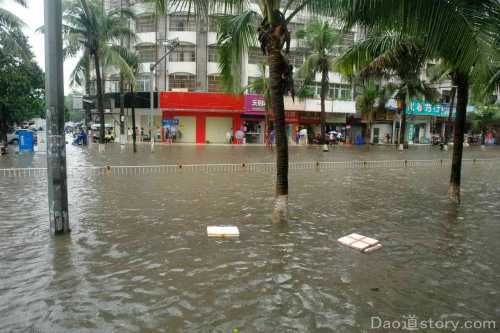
(361, 243)
(223, 231)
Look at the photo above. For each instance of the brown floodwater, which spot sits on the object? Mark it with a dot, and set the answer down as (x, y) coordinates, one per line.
(138, 258)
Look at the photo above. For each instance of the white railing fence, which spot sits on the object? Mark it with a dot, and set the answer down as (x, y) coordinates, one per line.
(142, 170)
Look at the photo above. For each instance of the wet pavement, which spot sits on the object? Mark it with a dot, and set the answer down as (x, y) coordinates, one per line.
(138, 258)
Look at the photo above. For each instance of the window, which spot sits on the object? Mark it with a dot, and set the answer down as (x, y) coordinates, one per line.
(255, 56)
(183, 53)
(339, 91)
(112, 85)
(143, 83)
(145, 24)
(146, 53)
(181, 81)
(214, 83)
(213, 55)
(296, 59)
(182, 23)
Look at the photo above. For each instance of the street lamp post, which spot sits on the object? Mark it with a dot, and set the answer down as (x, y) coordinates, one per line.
(56, 141)
(170, 45)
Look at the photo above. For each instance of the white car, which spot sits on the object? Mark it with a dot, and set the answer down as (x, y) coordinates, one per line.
(12, 137)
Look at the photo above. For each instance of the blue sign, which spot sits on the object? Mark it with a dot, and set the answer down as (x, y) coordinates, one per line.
(420, 108)
(25, 140)
(170, 122)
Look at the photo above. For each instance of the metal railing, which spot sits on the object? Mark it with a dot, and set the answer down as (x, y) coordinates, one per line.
(142, 170)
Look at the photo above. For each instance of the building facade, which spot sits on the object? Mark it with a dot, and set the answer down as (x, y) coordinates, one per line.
(193, 68)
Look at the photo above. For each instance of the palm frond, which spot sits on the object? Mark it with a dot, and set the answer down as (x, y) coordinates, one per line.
(237, 33)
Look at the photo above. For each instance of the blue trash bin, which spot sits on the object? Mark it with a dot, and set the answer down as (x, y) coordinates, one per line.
(26, 142)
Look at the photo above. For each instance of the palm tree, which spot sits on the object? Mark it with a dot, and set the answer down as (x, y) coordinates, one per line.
(80, 76)
(463, 33)
(366, 103)
(390, 55)
(320, 41)
(243, 26)
(89, 29)
(9, 20)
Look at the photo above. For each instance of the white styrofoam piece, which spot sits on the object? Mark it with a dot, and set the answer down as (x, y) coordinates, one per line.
(360, 242)
(223, 231)
(372, 248)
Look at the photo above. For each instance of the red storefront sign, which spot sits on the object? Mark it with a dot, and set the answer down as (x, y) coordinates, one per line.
(193, 101)
(312, 118)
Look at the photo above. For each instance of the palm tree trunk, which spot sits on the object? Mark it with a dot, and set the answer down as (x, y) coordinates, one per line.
(403, 125)
(3, 130)
(122, 111)
(134, 132)
(447, 134)
(100, 97)
(324, 90)
(277, 67)
(461, 81)
(88, 111)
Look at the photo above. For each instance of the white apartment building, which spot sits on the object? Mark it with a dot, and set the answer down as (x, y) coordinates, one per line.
(194, 67)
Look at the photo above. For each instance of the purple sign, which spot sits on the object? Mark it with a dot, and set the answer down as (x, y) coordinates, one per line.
(254, 105)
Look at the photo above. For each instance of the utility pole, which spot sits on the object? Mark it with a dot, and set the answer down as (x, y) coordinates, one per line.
(56, 141)
(170, 46)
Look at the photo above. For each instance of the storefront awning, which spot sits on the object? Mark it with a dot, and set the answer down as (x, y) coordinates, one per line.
(336, 106)
(194, 101)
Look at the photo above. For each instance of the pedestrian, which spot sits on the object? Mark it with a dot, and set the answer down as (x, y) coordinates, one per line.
(331, 137)
(229, 136)
(129, 134)
(239, 136)
(303, 136)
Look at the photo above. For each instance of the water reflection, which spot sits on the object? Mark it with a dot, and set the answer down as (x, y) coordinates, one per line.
(138, 258)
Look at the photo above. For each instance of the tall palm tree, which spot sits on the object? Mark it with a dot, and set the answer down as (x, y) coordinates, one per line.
(245, 25)
(392, 55)
(80, 76)
(320, 41)
(366, 104)
(89, 29)
(9, 20)
(462, 32)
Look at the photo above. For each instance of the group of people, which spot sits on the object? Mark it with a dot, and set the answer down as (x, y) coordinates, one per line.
(238, 137)
(171, 134)
(139, 134)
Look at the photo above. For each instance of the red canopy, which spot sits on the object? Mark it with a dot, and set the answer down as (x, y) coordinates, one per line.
(173, 100)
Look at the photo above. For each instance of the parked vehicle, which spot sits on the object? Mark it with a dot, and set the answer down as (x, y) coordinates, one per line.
(109, 135)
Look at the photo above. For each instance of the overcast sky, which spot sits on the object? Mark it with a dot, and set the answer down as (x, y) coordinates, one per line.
(33, 19)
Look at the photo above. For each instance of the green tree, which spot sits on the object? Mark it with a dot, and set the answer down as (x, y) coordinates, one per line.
(366, 104)
(89, 29)
(21, 81)
(464, 33)
(241, 27)
(391, 55)
(320, 41)
(8, 20)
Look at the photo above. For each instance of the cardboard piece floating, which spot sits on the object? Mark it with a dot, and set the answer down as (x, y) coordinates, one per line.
(361, 243)
(223, 231)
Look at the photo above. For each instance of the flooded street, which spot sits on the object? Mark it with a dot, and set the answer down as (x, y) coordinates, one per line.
(138, 258)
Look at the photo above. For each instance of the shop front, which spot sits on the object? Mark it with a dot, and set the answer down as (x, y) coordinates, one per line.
(201, 117)
(253, 119)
